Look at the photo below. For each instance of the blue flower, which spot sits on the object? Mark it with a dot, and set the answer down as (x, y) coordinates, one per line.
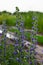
(21, 24)
(20, 50)
(27, 50)
(21, 30)
(16, 41)
(30, 62)
(33, 39)
(18, 59)
(33, 27)
(22, 44)
(34, 18)
(31, 49)
(22, 37)
(16, 44)
(15, 53)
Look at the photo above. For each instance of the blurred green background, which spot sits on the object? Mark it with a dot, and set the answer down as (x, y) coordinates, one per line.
(27, 17)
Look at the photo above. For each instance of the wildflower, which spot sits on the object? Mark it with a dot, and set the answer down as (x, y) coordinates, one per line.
(22, 44)
(30, 62)
(16, 44)
(15, 52)
(21, 24)
(34, 18)
(20, 50)
(18, 59)
(33, 27)
(27, 50)
(31, 49)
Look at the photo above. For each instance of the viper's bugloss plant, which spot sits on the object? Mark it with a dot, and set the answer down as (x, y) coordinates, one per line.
(34, 40)
(16, 54)
(3, 44)
(4, 27)
(20, 55)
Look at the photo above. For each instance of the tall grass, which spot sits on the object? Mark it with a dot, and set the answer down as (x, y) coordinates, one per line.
(27, 17)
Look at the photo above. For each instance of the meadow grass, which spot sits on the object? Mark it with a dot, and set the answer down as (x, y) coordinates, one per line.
(27, 17)
(28, 35)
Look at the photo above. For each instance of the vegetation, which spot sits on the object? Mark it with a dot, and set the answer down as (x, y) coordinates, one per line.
(16, 54)
(27, 17)
(28, 35)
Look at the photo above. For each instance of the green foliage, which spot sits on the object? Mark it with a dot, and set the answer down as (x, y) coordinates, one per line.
(27, 16)
(27, 35)
(40, 40)
(11, 58)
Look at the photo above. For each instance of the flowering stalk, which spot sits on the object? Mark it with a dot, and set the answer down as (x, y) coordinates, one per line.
(0, 52)
(19, 52)
(4, 39)
(34, 40)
